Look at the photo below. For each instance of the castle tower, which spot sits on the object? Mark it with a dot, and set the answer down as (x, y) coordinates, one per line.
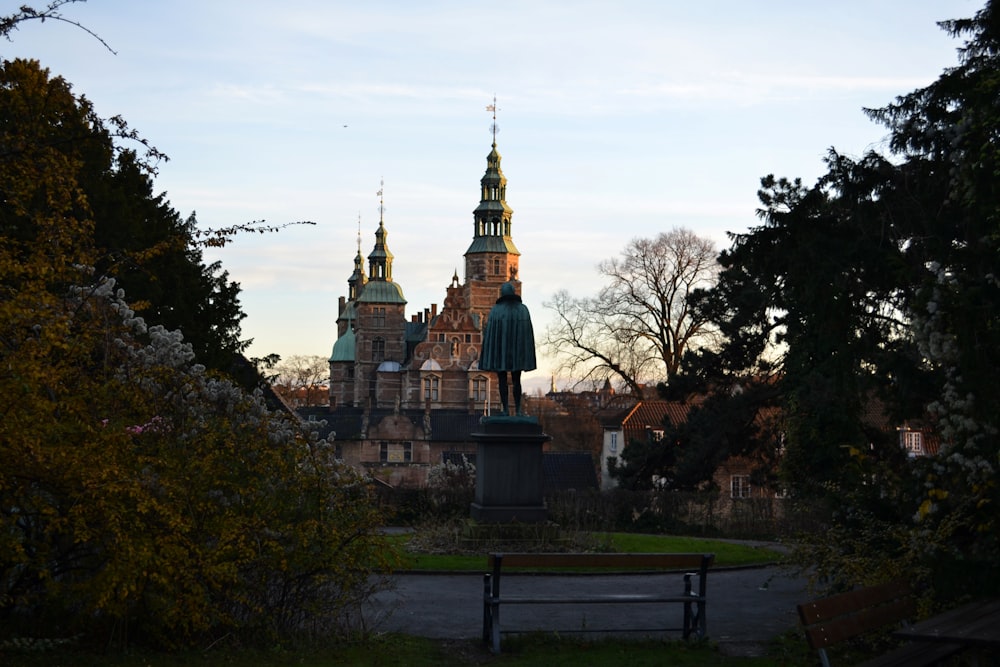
(380, 347)
(492, 258)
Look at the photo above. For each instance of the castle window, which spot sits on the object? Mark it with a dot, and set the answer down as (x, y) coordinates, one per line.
(431, 387)
(468, 338)
(395, 452)
(479, 388)
(496, 267)
(378, 317)
(378, 349)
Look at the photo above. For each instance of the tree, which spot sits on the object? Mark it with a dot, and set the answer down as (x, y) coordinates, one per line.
(640, 324)
(880, 281)
(136, 236)
(303, 380)
(142, 497)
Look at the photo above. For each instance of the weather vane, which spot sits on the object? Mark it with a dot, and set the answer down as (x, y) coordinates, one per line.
(493, 126)
(381, 201)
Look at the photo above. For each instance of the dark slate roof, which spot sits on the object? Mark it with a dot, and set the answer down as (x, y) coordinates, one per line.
(416, 332)
(564, 471)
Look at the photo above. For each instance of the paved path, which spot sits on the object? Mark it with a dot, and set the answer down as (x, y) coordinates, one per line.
(747, 607)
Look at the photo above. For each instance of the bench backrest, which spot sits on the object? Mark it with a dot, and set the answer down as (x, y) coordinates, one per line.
(833, 619)
(600, 560)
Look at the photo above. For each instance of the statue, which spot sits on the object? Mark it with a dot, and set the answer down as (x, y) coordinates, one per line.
(508, 344)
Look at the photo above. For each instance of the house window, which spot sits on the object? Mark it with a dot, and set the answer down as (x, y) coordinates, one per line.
(378, 317)
(431, 387)
(739, 486)
(614, 443)
(913, 443)
(395, 452)
(479, 386)
(378, 349)
(657, 435)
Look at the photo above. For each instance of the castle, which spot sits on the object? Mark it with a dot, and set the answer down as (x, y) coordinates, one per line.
(405, 394)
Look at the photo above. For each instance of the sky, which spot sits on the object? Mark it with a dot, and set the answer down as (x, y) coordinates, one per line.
(616, 120)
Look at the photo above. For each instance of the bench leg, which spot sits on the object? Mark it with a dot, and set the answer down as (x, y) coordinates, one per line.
(487, 621)
(495, 627)
(688, 617)
(491, 615)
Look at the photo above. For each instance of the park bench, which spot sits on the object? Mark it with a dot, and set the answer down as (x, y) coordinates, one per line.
(690, 565)
(835, 619)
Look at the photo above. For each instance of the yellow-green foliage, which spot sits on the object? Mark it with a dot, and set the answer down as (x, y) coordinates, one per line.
(138, 493)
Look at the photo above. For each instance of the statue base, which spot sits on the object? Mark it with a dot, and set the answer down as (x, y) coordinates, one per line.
(509, 479)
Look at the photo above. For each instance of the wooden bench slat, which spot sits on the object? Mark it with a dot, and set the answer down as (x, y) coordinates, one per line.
(838, 629)
(598, 560)
(606, 599)
(843, 603)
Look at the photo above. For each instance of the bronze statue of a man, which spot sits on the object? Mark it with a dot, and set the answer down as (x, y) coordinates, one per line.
(508, 344)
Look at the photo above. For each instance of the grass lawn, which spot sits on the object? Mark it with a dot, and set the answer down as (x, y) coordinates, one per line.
(726, 553)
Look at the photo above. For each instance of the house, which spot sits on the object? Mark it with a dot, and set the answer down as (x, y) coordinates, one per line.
(643, 420)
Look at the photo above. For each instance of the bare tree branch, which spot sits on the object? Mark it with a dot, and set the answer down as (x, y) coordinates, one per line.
(640, 324)
(9, 24)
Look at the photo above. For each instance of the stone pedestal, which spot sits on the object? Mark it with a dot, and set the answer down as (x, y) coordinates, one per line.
(509, 480)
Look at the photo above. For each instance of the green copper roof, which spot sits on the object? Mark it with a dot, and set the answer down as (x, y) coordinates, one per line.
(381, 291)
(493, 244)
(350, 312)
(343, 349)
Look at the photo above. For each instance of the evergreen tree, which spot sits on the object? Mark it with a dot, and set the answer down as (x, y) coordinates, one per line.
(132, 234)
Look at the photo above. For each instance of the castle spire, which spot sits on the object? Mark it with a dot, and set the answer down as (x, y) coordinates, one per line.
(380, 259)
(358, 279)
(492, 218)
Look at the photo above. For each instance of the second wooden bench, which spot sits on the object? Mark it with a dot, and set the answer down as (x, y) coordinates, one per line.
(693, 599)
(832, 620)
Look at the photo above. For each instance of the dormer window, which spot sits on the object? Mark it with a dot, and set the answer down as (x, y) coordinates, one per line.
(913, 443)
